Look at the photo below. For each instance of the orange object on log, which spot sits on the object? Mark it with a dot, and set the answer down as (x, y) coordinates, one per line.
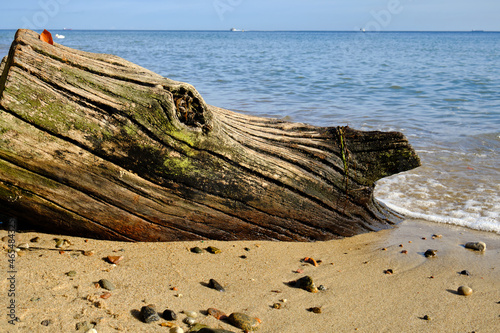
(46, 37)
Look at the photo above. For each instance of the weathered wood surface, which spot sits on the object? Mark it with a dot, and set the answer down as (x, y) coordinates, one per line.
(93, 145)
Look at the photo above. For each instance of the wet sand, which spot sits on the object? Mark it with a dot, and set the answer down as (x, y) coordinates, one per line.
(359, 295)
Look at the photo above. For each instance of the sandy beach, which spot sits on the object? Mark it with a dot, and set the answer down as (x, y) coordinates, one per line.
(359, 292)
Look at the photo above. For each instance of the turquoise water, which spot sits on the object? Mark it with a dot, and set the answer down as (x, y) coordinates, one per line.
(442, 90)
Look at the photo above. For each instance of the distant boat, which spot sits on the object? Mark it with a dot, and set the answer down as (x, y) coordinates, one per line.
(362, 30)
(60, 36)
(236, 30)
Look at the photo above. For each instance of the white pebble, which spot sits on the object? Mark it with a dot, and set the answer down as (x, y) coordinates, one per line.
(176, 329)
(23, 246)
(464, 290)
(190, 321)
(92, 330)
(192, 314)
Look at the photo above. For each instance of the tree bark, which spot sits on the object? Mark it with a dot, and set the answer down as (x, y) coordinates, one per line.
(93, 145)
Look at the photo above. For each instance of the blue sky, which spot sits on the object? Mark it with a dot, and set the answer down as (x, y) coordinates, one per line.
(376, 15)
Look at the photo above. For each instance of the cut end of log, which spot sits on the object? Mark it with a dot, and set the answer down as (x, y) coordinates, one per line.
(91, 144)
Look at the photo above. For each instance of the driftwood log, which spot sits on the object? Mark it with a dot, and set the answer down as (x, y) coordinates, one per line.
(93, 145)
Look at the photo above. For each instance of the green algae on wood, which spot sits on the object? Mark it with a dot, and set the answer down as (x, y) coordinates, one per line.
(108, 149)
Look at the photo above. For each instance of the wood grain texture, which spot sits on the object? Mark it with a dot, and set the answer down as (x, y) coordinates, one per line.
(91, 144)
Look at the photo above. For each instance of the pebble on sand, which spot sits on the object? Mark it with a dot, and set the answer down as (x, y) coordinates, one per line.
(196, 249)
(244, 321)
(114, 259)
(46, 322)
(464, 290)
(176, 329)
(217, 314)
(477, 246)
(306, 283)
(106, 284)
(191, 314)
(149, 314)
(213, 250)
(71, 273)
(169, 315)
(215, 285)
(430, 253)
(315, 309)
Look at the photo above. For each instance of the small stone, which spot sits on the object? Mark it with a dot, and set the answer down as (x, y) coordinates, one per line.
(311, 261)
(217, 314)
(92, 330)
(46, 322)
(437, 236)
(176, 330)
(464, 290)
(190, 321)
(465, 272)
(315, 309)
(71, 273)
(243, 321)
(213, 250)
(321, 287)
(426, 317)
(215, 285)
(192, 314)
(477, 246)
(306, 283)
(430, 253)
(106, 284)
(149, 314)
(404, 252)
(196, 250)
(59, 243)
(114, 259)
(389, 271)
(24, 246)
(106, 295)
(277, 306)
(169, 315)
(88, 253)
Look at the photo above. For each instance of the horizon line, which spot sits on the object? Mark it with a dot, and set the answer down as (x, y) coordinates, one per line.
(253, 30)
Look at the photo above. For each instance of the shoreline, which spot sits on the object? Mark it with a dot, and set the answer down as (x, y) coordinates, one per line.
(359, 295)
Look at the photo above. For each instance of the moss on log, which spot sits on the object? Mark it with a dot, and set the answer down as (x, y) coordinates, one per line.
(91, 144)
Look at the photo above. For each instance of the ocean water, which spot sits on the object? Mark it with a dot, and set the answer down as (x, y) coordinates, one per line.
(441, 89)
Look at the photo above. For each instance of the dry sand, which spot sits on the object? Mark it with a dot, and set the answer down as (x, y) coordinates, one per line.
(359, 296)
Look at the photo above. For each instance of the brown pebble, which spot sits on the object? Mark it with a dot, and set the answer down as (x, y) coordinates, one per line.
(389, 271)
(217, 314)
(404, 252)
(106, 295)
(114, 259)
(88, 253)
(277, 306)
